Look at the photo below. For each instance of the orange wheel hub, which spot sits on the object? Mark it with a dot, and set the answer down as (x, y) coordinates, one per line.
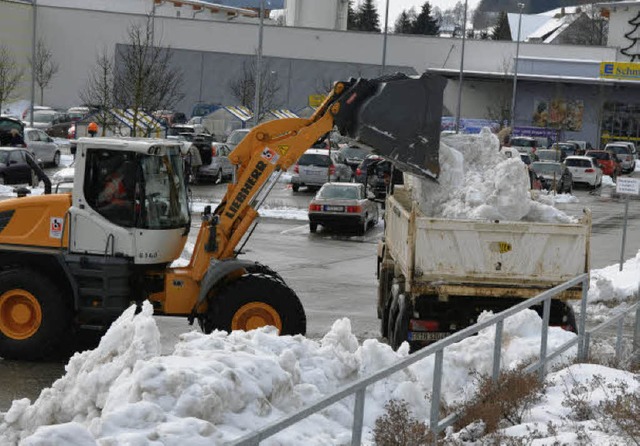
(20, 314)
(255, 315)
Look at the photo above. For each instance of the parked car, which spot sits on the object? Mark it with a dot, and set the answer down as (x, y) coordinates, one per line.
(584, 170)
(524, 144)
(624, 155)
(42, 146)
(202, 109)
(219, 168)
(583, 146)
(527, 158)
(607, 161)
(7, 124)
(630, 144)
(366, 167)
(318, 166)
(235, 137)
(186, 128)
(42, 119)
(77, 113)
(383, 175)
(549, 155)
(170, 117)
(14, 168)
(354, 156)
(566, 149)
(60, 126)
(553, 176)
(343, 205)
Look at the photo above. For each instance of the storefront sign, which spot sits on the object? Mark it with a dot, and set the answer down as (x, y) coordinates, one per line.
(620, 70)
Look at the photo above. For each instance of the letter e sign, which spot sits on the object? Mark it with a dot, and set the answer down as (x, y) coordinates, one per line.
(56, 226)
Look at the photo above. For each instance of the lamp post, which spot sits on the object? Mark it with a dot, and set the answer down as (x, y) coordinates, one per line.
(34, 37)
(256, 101)
(461, 76)
(515, 70)
(384, 40)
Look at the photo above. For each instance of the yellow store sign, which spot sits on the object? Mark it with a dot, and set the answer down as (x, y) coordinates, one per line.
(620, 70)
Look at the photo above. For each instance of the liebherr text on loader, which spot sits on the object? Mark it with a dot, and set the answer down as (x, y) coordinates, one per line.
(75, 261)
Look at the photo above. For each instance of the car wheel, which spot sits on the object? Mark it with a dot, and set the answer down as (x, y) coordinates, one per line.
(295, 187)
(56, 159)
(313, 227)
(362, 229)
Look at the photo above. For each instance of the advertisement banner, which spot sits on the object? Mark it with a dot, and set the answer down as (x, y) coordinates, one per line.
(558, 113)
(469, 125)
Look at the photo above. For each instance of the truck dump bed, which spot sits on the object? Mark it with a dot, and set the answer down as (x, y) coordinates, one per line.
(447, 257)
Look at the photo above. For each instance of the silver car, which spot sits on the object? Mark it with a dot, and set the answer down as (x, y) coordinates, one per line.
(318, 166)
(42, 146)
(624, 154)
(220, 167)
(343, 205)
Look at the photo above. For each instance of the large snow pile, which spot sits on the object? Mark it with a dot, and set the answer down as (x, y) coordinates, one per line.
(478, 182)
(215, 388)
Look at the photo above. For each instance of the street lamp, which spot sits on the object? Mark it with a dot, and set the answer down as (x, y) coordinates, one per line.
(460, 79)
(384, 40)
(515, 70)
(256, 101)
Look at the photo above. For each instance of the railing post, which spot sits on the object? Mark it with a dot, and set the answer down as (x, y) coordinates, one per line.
(619, 339)
(546, 311)
(435, 394)
(582, 348)
(358, 413)
(636, 334)
(497, 350)
(587, 341)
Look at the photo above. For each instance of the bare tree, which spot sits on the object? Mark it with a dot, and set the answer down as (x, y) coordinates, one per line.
(244, 87)
(99, 90)
(500, 109)
(10, 75)
(145, 79)
(589, 28)
(44, 67)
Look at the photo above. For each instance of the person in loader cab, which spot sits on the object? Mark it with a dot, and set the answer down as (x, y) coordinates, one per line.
(114, 200)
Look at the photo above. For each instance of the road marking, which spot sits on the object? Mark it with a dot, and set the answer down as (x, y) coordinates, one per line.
(294, 229)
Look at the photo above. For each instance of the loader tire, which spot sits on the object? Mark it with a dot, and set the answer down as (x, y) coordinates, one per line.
(35, 320)
(253, 301)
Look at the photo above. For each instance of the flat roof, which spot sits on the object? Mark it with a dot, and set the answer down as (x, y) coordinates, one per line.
(487, 75)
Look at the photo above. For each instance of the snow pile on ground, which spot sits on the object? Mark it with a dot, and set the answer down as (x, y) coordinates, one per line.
(478, 182)
(286, 213)
(215, 388)
(609, 284)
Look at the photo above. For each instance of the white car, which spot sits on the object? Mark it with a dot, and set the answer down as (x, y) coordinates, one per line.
(584, 170)
(220, 167)
(42, 146)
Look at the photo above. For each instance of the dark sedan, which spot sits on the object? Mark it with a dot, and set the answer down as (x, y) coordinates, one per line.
(354, 156)
(13, 166)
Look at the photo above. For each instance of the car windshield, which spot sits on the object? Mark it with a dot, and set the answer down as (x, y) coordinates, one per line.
(522, 142)
(164, 204)
(578, 163)
(599, 155)
(236, 137)
(619, 150)
(354, 152)
(339, 192)
(546, 168)
(548, 155)
(315, 159)
(42, 117)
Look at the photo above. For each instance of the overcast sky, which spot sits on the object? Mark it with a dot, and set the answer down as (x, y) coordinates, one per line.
(396, 7)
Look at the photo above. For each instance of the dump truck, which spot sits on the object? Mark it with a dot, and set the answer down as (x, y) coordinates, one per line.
(435, 275)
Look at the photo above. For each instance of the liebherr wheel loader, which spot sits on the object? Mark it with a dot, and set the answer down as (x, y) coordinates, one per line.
(71, 261)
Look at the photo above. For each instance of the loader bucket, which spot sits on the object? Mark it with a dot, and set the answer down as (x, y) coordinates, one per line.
(399, 118)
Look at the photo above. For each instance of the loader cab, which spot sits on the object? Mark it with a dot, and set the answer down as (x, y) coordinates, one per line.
(129, 199)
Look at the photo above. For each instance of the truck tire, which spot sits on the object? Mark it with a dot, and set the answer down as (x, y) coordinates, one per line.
(35, 320)
(295, 187)
(399, 325)
(253, 301)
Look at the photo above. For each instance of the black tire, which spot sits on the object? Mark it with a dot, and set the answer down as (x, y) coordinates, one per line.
(56, 159)
(392, 314)
(269, 297)
(48, 339)
(313, 227)
(295, 187)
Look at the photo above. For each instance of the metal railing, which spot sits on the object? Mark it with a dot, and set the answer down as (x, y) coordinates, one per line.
(437, 425)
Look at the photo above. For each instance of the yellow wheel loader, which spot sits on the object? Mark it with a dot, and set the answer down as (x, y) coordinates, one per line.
(73, 262)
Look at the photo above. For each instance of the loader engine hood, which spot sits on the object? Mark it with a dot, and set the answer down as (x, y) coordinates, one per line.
(399, 118)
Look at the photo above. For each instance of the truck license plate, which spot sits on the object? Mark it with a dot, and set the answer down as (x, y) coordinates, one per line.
(427, 335)
(330, 208)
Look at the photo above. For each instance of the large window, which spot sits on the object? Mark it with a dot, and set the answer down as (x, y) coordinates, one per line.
(137, 190)
(621, 120)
